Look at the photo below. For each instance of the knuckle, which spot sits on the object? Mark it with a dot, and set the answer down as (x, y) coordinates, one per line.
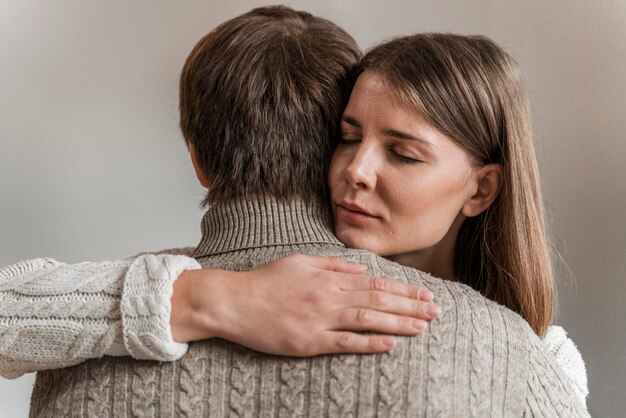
(363, 316)
(379, 298)
(407, 323)
(320, 275)
(314, 297)
(413, 325)
(299, 350)
(344, 341)
(332, 263)
(378, 283)
(418, 308)
(298, 346)
(375, 343)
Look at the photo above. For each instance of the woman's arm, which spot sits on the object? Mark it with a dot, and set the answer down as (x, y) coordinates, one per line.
(569, 358)
(55, 315)
(551, 390)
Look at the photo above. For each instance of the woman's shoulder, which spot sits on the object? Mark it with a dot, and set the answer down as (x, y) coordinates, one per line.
(569, 358)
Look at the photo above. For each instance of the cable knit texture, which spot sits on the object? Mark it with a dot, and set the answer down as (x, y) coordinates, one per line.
(54, 315)
(477, 359)
(569, 358)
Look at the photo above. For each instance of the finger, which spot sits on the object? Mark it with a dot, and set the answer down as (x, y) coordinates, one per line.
(348, 342)
(338, 265)
(389, 303)
(386, 285)
(360, 319)
(425, 295)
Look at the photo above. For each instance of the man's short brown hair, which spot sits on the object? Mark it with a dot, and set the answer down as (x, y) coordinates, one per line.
(260, 99)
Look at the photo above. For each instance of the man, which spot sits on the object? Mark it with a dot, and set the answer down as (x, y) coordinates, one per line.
(260, 98)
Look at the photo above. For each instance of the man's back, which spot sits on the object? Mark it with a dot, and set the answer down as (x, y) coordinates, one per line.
(477, 359)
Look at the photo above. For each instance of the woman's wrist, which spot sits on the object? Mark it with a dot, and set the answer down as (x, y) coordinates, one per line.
(199, 307)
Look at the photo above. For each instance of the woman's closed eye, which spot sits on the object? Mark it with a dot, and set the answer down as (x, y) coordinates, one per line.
(404, 156)
(352, 139)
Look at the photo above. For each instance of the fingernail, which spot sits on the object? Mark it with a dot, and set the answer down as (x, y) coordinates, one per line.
(419, 324)
(432, 310)
(389, 341)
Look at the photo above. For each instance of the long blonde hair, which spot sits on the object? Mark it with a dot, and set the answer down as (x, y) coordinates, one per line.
(471, 90)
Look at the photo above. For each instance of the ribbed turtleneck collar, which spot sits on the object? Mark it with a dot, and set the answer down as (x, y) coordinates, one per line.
(245, 224)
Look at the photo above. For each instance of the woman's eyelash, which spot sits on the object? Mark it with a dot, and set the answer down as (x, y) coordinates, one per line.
(402, 158)
(394, 154)
(346, 140)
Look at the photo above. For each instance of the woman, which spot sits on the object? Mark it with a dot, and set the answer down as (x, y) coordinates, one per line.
(437, 137)
(436, 170)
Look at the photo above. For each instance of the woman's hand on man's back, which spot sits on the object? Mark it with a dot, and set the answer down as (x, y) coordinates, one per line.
(299, 306)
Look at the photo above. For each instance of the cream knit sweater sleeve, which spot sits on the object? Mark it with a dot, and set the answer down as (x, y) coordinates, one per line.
(550, 384)
(570, 360)
(55, 315)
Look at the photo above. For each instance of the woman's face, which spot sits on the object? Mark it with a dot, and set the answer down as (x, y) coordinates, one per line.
(397, 184)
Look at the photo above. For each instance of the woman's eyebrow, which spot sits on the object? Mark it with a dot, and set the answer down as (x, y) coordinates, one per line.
(394, 133)
(351, 120)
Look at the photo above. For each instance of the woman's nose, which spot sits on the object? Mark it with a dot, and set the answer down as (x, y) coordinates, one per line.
(361, 171)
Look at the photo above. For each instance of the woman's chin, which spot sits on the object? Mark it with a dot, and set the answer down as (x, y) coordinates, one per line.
(357, 239)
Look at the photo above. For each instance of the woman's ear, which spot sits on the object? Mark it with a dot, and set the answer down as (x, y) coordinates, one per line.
(488, 181)
(202, 178)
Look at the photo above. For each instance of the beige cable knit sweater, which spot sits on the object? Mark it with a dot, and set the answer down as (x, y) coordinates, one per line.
(134, 319)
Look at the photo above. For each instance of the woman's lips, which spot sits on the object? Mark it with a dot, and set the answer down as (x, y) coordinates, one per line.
(353, 214)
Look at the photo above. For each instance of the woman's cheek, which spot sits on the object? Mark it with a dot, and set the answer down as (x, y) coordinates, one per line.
(337, 166)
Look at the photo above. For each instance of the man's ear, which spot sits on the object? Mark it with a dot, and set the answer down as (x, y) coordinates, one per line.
(202, 178)
(488, 181)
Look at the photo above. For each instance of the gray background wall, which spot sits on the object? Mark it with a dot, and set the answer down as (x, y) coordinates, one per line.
(92, 165)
